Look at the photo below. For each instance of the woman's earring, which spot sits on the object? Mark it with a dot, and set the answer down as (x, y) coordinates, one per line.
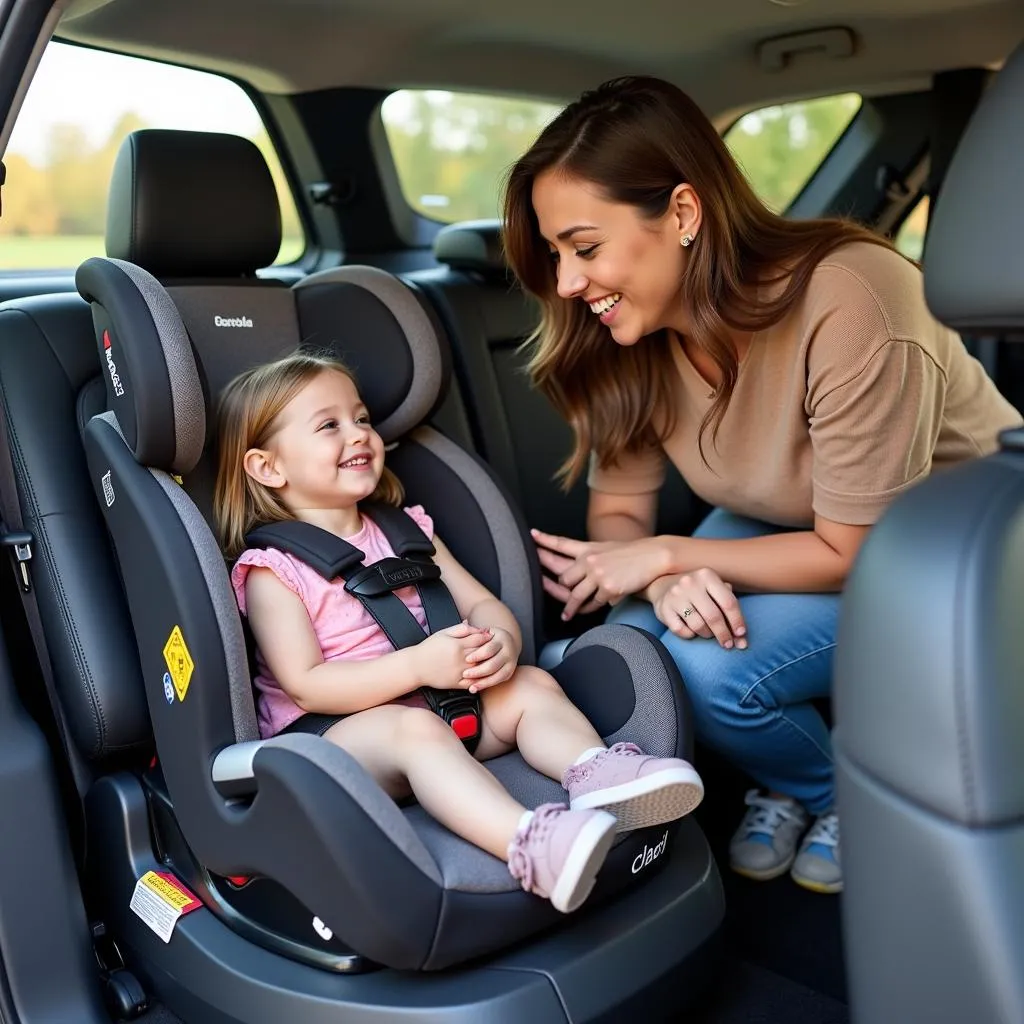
(685, 240)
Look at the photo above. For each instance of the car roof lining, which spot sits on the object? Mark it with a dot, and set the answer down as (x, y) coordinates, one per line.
(709, 49)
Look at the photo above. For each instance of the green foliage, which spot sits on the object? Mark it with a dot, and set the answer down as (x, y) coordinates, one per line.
(453, 150)
(779, 148)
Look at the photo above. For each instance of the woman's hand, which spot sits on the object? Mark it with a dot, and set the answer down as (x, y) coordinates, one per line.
(700, 603)
(592, 573)
(493, 663)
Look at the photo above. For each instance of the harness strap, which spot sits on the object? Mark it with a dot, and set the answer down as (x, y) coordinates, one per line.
(374, 585)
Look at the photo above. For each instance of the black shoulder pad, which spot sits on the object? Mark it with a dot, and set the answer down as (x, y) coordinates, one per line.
(328, 555)
(404, 536)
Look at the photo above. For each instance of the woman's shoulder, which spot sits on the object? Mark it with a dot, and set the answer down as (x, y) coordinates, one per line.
(874, 289)
(864, 272)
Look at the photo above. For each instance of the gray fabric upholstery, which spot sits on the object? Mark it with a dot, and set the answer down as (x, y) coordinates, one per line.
(465, 867)
(652, 725)
(974, 258)
(186, 392)
(211, 561)
(223, 350)
(516, 586)
(428, 367)
(360, 787)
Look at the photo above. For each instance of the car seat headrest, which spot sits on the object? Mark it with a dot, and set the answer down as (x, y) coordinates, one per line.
(474, 246)
(192, 204)
(381, 330)
(153, 385)
(974, 255)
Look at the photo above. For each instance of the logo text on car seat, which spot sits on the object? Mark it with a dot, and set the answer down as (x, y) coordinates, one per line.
(115, 378)
(232, 321)
(649, 854)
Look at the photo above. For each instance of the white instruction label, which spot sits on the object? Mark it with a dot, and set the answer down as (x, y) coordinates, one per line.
(160, 899)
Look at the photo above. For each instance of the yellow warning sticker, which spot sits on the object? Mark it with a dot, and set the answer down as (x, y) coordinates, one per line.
(160, 899)
(170, 890)
(179, 662)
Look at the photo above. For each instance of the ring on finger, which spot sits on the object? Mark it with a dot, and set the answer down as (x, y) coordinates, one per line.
(688, 610)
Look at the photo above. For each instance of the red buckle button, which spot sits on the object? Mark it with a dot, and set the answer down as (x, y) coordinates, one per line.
(465, 726)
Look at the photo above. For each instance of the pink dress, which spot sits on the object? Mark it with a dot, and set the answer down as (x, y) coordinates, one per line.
(343, 627)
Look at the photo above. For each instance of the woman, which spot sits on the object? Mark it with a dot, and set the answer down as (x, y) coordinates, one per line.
(792, 373)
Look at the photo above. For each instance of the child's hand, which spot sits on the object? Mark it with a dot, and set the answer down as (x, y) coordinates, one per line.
(493, 663)
(441, 658)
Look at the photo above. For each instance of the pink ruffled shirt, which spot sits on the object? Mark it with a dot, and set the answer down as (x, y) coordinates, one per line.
(343, 627)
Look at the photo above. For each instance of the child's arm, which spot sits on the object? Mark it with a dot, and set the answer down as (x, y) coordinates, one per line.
(495, 661)
(285, 637)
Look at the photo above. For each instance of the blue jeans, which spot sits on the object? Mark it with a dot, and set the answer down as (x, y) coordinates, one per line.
(753, 706)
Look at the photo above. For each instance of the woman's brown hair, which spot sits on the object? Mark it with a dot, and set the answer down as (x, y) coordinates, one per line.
(247, 418)
(637, 139)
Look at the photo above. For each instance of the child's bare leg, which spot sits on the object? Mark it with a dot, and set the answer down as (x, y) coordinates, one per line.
(531, 712)
(412, 748)
(555, 737)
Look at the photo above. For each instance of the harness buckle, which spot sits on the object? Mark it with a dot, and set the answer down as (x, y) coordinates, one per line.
(20, 545)
(460, 710)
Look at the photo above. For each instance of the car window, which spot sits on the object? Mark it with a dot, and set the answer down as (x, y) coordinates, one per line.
(780, 147)
(78, 109)
(451, 150)
(910, 237)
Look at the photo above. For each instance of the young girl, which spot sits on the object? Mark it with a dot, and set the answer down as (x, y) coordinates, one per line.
(296, 443)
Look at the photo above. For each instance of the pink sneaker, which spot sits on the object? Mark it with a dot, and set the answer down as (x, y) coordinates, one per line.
(638, 789)
(559, 853)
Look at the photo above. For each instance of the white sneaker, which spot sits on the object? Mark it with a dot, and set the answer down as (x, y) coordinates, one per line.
(764, 846)
(817, 866)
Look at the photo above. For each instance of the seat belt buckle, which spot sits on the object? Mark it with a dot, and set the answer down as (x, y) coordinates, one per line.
(20, 546)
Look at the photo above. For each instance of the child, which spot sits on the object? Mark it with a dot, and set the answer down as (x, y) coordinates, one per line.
(296, 443)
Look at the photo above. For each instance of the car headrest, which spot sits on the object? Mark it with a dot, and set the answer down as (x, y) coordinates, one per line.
(165, 356)
(192, 204)
(974, 254)
(474, 246)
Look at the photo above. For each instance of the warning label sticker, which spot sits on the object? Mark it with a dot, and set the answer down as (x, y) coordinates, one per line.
(160, 899)
(179, 661)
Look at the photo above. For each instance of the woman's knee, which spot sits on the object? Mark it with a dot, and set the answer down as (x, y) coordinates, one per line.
(715, 682)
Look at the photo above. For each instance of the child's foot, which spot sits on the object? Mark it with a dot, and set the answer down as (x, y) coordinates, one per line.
(559, 852)
(638, 789)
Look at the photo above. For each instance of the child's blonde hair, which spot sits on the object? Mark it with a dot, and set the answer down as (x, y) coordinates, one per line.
(247, 418)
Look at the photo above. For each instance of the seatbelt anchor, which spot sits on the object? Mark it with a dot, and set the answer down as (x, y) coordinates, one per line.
(20, 545)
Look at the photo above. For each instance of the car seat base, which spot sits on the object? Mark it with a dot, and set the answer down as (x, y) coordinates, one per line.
(655, 946)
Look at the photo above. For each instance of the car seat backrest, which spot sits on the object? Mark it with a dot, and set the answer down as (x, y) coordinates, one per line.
(929, 703)
(380, 328)
(518, 431)
(50, 386)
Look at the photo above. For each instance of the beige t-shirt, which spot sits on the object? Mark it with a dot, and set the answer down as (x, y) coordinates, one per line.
(854, 396)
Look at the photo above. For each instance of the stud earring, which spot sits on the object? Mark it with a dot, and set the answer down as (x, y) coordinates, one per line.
(685, 240)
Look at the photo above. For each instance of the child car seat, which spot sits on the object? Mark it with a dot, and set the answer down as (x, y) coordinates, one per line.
(288, 843)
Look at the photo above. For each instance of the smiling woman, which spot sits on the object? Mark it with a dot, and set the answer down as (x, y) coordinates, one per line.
(792, 373)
